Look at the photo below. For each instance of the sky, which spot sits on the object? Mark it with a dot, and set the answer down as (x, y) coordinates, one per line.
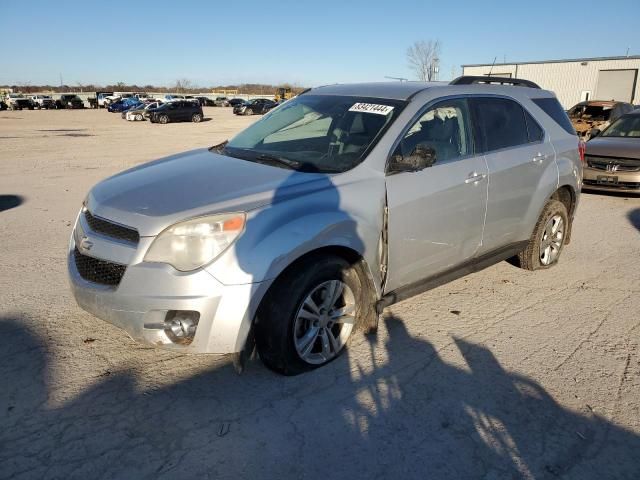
(308, 43)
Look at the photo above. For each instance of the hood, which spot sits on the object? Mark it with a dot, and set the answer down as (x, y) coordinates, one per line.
(622, 147)
(156, 195)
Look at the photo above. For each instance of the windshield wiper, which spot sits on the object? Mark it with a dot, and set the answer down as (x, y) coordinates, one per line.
(292, 164)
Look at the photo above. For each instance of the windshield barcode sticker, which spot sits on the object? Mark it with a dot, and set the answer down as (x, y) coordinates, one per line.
(371, 108)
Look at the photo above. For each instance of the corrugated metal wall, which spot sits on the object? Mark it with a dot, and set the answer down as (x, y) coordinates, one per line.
(567, 79)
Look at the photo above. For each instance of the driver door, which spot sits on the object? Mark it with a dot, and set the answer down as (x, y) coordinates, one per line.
(436, 215)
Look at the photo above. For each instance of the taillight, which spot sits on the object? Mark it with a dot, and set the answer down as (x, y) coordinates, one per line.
(582, 147)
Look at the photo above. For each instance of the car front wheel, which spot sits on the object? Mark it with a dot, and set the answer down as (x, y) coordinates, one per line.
(309, 315)
(164, 119)
(196, 118)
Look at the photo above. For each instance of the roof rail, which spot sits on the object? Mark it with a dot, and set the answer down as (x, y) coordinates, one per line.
(471, 79)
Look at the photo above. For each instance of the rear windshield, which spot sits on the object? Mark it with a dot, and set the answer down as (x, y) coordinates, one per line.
(320, 133)
(552, 107)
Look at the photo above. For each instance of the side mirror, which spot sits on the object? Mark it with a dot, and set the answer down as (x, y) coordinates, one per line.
(420, 158)
(594, 132)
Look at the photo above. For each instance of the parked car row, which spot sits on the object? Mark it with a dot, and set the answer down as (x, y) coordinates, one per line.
(17, 101)
(159, 111)
(121, 102)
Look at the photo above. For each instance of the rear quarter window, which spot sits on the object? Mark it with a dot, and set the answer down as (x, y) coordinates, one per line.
(552, 107)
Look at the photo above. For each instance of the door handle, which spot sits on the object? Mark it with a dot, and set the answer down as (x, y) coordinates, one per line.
(539, 158)
(475, 177)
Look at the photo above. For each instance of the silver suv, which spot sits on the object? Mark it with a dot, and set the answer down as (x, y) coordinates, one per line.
(341, 201)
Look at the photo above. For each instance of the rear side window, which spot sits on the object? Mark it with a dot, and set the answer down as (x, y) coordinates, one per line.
(536, 134)
(500, 123)
(552, 107)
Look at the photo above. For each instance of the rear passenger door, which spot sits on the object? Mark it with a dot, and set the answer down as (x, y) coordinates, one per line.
(436, 214)
(517, 155)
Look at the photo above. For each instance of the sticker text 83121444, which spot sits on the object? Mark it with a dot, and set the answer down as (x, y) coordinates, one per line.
(371, 108)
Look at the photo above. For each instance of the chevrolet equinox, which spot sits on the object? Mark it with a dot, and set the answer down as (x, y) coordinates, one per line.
(299, 230)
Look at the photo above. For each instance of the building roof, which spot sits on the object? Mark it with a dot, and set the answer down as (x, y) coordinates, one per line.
(564, 60)
(389, 90)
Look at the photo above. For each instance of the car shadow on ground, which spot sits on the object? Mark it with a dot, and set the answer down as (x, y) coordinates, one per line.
(8, 202)
(634, 218)
(394, 410)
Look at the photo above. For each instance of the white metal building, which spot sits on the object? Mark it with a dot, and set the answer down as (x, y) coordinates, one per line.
(574, 80)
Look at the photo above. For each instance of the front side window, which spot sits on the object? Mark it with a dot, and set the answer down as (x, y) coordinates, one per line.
(443, 128)
(628, 126)
(320, 133)
(500, 123)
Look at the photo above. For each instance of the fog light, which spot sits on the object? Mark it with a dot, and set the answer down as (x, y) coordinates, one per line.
(180, 325)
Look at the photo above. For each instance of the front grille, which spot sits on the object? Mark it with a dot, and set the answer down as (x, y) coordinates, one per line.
(618, 164)
(630, 185)
(98, 271)
(110, 229)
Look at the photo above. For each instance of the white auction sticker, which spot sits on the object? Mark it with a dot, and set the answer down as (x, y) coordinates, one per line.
(371, 108)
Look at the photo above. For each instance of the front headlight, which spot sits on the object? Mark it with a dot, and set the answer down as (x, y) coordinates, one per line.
(192, 244)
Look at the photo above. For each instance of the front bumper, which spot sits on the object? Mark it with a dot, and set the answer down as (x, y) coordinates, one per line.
(148, 291)
(616, 181)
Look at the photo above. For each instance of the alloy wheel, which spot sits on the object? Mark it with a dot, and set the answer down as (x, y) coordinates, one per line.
(552, 240)
(324, 321)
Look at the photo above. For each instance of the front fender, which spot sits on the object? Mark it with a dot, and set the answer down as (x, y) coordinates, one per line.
(271, 242)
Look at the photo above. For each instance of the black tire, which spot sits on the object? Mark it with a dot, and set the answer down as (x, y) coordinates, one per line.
(530, 257)
(163, 119)
(275, 320)
(139, 117)
(196, 118)
(248, 111)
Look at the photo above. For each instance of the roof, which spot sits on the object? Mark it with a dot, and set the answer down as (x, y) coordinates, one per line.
(601, 103)
(564, 60)
(389, 90)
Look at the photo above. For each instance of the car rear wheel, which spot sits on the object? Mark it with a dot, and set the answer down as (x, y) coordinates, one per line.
(164, 119)
(196, 118)
(309, 315)
(139, 117)
(548, 238)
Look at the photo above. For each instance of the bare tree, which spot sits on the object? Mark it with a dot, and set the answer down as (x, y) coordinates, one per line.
(424, 59)
(182, 85)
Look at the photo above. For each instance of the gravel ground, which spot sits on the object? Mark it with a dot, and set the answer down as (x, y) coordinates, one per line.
(502, 374)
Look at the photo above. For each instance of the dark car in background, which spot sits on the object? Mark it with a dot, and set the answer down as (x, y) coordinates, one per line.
(235, 101)
(22, 104)
(69, 100)
(177, 111)
(205, 102)
(257, 106)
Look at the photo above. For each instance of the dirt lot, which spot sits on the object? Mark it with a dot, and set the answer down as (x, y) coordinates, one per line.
(503, 374)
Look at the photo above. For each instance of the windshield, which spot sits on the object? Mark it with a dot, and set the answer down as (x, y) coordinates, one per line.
(624, 127)
(319, 133)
